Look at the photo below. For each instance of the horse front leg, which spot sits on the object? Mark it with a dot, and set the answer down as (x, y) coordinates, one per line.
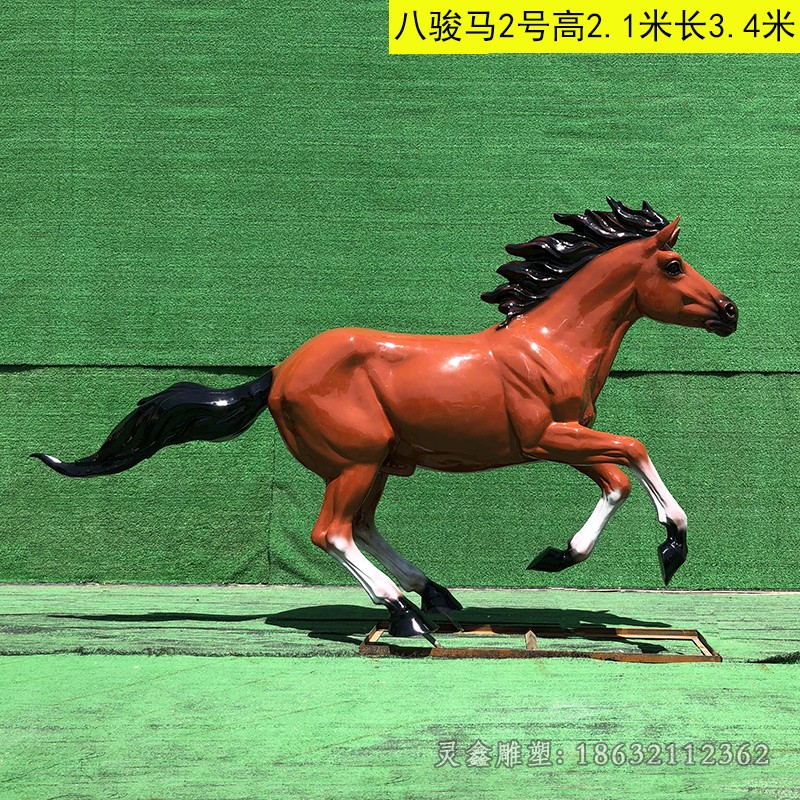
(615, 488)
(572, 443)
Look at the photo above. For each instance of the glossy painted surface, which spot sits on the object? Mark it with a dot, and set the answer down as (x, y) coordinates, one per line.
(356, 405)
(489, 399)
(185, 412)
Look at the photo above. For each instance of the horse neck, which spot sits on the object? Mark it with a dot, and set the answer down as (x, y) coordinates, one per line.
(584, 321)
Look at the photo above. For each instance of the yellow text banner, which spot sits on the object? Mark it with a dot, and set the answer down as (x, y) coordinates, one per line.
(583, 26)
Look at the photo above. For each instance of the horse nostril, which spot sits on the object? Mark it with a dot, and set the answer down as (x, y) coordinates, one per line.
(728, 309)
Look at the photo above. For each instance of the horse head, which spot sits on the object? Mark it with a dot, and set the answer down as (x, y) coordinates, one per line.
(669, 290)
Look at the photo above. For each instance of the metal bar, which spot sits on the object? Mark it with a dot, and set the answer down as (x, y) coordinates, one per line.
(704, 647)
(370, 645)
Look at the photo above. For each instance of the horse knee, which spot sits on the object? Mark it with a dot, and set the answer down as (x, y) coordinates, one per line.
(634, 452)
(320, 538)
(619, 490)
(332, 540)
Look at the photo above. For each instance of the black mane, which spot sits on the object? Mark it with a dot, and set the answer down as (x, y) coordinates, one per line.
(551, 260)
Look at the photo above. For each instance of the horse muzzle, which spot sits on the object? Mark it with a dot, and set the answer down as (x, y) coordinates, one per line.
(724, 324)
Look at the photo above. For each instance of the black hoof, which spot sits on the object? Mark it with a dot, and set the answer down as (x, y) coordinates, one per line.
(437, 599)
(405, 619)
(671, 554)
(552, 560)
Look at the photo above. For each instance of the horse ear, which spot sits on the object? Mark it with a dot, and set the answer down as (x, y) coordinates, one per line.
(666, 238)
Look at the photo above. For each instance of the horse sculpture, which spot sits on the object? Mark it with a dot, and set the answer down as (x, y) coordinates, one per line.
(356, 405)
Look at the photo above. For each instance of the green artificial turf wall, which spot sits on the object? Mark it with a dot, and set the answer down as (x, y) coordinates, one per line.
(196, 185)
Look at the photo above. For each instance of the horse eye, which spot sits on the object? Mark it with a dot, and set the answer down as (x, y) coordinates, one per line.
(672, 268)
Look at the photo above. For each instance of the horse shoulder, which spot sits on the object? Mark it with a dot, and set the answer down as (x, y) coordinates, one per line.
(539, 388)
(534, 372)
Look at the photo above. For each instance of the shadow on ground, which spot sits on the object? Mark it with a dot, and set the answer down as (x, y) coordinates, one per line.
(160, 616)
(352, 623)
(349, 624)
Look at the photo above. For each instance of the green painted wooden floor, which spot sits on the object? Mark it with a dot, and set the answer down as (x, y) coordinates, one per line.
(315, 720)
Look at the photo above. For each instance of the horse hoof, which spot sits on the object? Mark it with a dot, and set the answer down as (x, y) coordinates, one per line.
(437, 599)
(552, 560)
(671, 554)
(405, 619)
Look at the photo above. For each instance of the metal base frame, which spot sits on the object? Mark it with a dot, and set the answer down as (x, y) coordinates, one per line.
(372, 646)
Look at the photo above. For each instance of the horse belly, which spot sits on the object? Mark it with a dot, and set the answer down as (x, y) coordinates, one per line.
(453, 421)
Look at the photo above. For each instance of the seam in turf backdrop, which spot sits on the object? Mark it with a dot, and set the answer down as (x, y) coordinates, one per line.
(242, 511)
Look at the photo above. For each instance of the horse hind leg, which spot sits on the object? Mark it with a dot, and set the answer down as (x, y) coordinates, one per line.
(435, 598)
(333, 533)
(615, 488)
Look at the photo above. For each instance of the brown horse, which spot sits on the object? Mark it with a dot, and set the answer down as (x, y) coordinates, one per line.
(356, 405)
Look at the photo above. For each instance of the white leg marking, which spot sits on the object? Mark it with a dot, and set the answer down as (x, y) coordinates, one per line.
(665, 503)
(583, 542)
(410, 577)
(377, 585)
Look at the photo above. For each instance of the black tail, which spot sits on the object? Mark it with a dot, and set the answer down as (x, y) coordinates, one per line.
(185, 412)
